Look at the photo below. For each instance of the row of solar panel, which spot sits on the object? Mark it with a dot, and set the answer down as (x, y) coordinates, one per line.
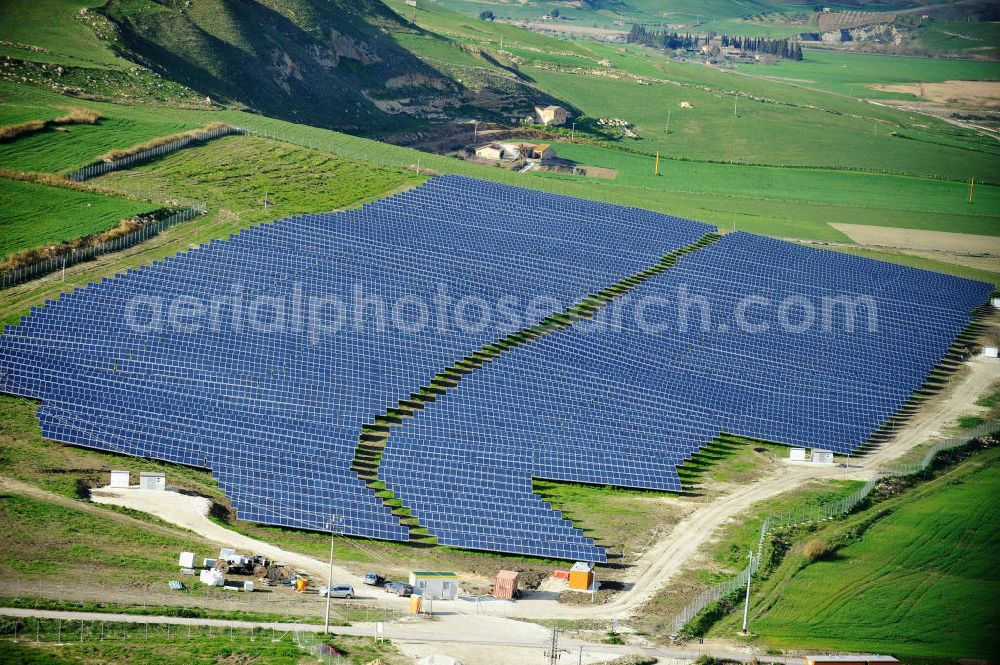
(275, 414)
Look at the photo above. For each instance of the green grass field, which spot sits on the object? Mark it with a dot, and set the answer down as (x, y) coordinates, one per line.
(235, 173)
(921, 581)
(962, 37)
(726, 553)
(36, 215)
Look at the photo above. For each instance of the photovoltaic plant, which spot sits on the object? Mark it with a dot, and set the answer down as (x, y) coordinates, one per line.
(718, 343)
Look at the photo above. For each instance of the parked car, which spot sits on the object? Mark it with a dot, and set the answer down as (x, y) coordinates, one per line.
(374, 579)
(337, 591)
(399, 588)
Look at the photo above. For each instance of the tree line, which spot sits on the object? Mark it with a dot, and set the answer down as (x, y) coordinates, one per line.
(781, 48)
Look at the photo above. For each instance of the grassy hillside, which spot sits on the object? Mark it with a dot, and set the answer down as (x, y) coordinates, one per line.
(906, 565)
(53, 27)
(235, 174)
(962, 37)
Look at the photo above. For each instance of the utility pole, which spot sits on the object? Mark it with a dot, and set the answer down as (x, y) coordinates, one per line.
(746, 605)
(572, 134)
(972, 186)
(656, 171)
(475, 131)
(329, 579)
(668, 122)
(734, 104)
(553, 653)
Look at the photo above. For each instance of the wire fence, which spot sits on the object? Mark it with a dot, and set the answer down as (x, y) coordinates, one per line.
(820, 513)
(31, 271)
(63, 631)
(324, 652)
(100, 168)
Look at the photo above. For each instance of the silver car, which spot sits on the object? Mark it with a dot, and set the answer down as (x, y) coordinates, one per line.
(337, 591)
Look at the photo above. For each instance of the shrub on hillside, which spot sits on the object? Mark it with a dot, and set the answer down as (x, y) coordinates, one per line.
(78, 116)
(11, 132)
(74, 116)
(815, 549)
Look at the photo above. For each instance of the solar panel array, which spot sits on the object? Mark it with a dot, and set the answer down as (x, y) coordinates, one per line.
(275, 412)
(718, 343)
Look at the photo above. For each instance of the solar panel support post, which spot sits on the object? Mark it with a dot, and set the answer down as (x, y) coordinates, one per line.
(746, 604)
(329, 577)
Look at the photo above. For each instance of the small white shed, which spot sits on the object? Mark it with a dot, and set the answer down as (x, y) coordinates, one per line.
(153, 480)
(119, 479)
(822, 457)
(995, 302)
(797, 454)
(186, 560)
(991, 351)
(440, 586)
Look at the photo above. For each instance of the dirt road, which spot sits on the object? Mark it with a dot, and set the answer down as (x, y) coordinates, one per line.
(191, 513)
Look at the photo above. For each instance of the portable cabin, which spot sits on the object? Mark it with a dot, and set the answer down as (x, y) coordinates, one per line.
(505, 584)
(797, 454)
(822, 457)
(120, 479)
(153, 480)
(581, 576)
(443, 586)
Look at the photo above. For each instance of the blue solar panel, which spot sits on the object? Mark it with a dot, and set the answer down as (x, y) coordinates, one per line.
(276, 410)
(624, 400)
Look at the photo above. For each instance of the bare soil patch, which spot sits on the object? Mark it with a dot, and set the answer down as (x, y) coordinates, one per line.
(937, 241)
(598, 172)
(972, 94)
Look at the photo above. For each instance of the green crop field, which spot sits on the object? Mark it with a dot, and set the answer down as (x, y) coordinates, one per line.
(35, 215)
(921, 581)
(906, 202)
(77, 145)
(854, 73)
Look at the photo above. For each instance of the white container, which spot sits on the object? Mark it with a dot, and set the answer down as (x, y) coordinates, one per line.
(248, 586)
(822, 457)
(996, 303)
(149, 480)
(186, 560)
(991, 351)
(797, 454)
(226, 552)
(119, 479)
